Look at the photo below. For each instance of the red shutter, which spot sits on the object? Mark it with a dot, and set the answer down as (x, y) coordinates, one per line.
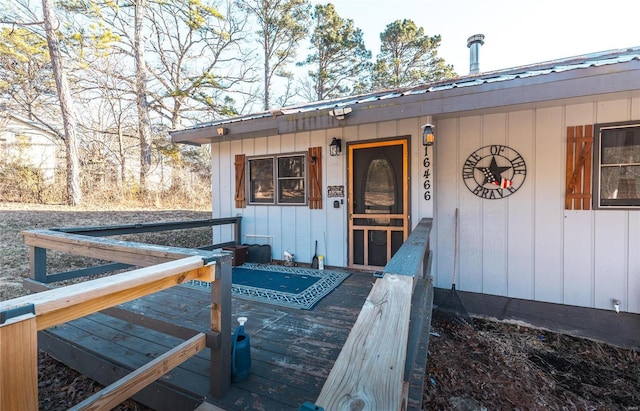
(240, 191)
(579, 168)
(314, 160)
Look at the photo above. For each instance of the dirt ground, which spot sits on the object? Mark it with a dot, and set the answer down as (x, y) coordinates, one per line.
(58, 386)
(499, 366)
(492, 366)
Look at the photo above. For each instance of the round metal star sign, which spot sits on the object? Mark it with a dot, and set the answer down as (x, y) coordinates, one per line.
(494, 172)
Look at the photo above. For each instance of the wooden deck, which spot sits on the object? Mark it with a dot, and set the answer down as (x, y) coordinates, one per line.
(292, 350)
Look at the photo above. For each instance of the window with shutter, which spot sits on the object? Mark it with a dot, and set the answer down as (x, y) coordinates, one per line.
(617, 162)
(278, 179)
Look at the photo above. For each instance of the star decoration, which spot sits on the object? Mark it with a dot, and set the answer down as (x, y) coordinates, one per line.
(493, 173)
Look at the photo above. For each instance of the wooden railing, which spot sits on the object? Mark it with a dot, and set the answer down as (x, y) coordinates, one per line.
(21, 318)
(66, 239)
(371, 370)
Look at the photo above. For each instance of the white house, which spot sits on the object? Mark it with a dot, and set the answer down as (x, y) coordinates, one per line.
(542, 162)
(29, 143)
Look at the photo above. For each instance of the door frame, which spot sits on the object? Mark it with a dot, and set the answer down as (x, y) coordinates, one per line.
(405, 228)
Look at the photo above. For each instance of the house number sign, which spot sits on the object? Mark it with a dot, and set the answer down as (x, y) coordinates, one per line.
(494, 172)
(427, 174)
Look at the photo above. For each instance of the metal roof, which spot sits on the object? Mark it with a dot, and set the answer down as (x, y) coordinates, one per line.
(539, 69)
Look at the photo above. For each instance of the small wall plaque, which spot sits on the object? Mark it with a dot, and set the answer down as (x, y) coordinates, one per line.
(335, 191)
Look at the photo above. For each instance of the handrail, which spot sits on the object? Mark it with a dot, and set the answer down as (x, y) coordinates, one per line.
(90, 239)
(63, 304)
(369, 371)
(22, 317)
(105, 231)
(410, 258)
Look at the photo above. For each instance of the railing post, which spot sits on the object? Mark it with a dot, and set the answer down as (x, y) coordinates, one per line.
(238, 230)
(19, 365)
(39, 264)
(221, 324)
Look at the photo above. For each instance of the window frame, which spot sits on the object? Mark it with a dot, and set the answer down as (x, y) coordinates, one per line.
(613, 204)
(275, 160)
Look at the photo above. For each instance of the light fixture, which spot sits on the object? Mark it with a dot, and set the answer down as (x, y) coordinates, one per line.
(222, 131)
(340, 112)
(427, 135)
(335, 148)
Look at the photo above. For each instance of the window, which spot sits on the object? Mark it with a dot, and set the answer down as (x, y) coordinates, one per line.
(278, 179)
(617, 160)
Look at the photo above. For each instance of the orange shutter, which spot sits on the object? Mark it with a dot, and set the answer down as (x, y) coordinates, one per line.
(240, 191)
(579, 168)
(315, 177)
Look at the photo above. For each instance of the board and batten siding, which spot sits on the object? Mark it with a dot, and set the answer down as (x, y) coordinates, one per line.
(527, 245)
(296, 228)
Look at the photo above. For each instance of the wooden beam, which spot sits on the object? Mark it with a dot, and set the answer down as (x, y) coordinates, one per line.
(104, 231)
(19, 365)
(368, 373)
(128, 386)
(65, 304)
(588, 145)
(138, 254)
(407, 260)
(220, 368)
(38, 264)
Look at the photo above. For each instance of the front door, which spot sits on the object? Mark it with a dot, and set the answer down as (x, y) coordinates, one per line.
(378, 201)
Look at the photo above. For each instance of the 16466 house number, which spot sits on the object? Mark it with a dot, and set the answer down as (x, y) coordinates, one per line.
(427, 174)
(494, 172)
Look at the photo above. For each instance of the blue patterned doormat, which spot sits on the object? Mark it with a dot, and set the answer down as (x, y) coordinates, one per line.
(295, 287)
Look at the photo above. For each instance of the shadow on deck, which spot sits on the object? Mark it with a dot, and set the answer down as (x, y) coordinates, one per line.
(292, 350)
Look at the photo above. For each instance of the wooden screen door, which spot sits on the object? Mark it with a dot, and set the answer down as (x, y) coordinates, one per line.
(378, 201)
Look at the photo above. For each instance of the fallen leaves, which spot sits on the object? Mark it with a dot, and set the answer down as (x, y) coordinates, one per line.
(503, 366)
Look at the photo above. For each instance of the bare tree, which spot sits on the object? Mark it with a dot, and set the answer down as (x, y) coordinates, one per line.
(144, 123)
(74, 194)
(196, 60)
(111, 117)
(282, 24)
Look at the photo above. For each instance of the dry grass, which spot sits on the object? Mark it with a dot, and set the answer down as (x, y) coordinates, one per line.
(60, 387)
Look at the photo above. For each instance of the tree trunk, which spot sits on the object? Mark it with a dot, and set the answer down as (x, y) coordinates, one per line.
(123, 160)
(267, 85)
(144, 127)
(74, 194)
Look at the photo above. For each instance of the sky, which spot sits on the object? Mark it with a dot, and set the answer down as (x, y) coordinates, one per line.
(516, 32)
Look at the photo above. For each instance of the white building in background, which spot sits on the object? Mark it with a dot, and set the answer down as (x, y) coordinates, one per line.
(29, 143)
(542, 162)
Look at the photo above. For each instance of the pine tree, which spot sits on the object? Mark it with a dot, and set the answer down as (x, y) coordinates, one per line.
(408, 57)
(341, 63)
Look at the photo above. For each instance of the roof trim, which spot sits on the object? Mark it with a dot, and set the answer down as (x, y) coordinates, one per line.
(568, 78)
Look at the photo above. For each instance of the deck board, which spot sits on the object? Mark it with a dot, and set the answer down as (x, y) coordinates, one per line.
(292, 350)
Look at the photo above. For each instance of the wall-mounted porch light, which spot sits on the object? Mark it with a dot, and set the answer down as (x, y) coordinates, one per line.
(427, 135)
(335, 148)
(222, 131)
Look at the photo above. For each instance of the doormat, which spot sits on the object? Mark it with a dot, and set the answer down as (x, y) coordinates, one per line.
(295, 287)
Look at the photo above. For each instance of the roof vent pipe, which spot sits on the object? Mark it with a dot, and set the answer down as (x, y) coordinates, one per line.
(474, 42)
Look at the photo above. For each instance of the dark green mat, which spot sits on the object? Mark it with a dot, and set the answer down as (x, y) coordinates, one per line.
(286, 286)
